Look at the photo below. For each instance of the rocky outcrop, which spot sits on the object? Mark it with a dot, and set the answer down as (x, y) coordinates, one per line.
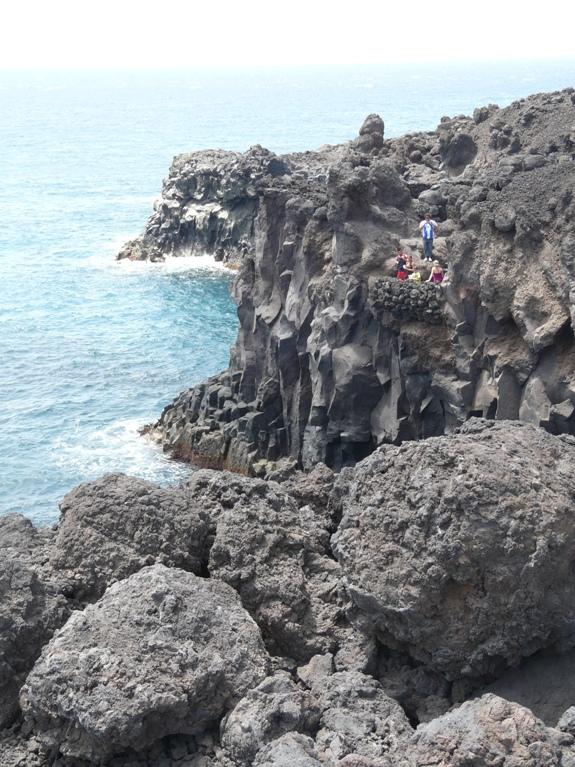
(333, 357)
(358, 718)
(385, 596)
(32, 606)
(163, 652)
(277, 557)
(490, 731)
(209, 204)
(273, 708)
(319, 618)
(458, 549)
(114, 526)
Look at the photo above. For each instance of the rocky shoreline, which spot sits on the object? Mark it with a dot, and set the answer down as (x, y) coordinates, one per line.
(411, 610)
(384, 580)
(333, 357)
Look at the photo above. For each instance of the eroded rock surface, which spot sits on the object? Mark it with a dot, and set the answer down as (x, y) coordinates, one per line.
(333, 356)
(114, 526)
(162, 652)
(276, 555)
(490, 731)
(32, 605)
(459, 549)
(358, 718)
(273, 708)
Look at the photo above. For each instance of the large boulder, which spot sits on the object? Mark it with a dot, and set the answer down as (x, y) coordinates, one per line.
(31, 607)
(275, 555)
(163, 652)
(358, 718)
(114, 526)
(273, 708)
(490, 731)
(459, 549)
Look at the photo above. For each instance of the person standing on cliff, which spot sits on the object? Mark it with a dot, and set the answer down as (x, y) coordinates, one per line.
(427, 228)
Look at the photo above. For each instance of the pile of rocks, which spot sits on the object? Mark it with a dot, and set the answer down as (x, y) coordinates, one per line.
(406, 300)
(317, 620)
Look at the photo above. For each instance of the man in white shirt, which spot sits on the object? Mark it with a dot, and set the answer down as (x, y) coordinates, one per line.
(427, 228)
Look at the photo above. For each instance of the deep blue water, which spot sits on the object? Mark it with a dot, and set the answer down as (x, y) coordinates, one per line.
(89, 349)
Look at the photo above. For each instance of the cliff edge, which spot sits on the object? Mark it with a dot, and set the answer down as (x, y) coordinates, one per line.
(333, 356)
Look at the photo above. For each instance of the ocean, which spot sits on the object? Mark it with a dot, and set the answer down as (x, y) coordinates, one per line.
(91, 349)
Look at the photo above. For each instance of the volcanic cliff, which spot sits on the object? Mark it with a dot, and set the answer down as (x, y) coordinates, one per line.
(415, 608)
(333, 357)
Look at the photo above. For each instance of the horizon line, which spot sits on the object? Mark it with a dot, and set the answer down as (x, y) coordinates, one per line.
(392, 63)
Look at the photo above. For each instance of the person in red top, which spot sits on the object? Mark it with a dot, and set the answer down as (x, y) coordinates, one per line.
(403, 264)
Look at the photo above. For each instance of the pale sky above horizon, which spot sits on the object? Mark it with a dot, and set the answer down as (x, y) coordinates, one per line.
(145, 34)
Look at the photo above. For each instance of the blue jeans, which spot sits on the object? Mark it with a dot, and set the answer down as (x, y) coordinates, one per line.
(428, 248)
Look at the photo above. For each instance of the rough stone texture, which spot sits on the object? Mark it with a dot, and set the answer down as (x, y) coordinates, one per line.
(162, 652)
(407, 301)
(330, 361)
(490, 731)
(276, 556)
(20, 749)
(32, 606)
(273, 708)
(358, 718)
(291, 750)
(459, 549)
(208, 205)
(114, 526)
(566, 721)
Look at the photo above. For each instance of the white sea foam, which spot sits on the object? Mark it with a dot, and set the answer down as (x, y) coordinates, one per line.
(118, 447)
(172, 264)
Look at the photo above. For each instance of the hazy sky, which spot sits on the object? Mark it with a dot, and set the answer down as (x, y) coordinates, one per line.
(141, 33)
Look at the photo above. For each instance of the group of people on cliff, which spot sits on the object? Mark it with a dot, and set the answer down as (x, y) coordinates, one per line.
(405, 265)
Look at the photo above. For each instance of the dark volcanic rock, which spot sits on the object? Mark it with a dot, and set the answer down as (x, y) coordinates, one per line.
(114, 526)
(332, 358)
(276, 556)
(273, 708)
(290, 750)
(459, 549)
(358, 718)
(162, 652)
(31, 606)
(490, 731)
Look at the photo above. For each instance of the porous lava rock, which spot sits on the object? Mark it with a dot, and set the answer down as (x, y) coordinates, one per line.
(459, 549)
(276, 706)
(162, 652)
(490, 731)
(115, 525)
(275, 554)
(32, 606)
(358, 718)
(290, 750)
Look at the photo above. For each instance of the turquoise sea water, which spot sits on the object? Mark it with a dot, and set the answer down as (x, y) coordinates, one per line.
(89, 349)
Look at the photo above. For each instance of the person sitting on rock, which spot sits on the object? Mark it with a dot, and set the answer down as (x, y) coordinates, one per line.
(402, 264)
(428, 228)
(437, 273)
(415, 277)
